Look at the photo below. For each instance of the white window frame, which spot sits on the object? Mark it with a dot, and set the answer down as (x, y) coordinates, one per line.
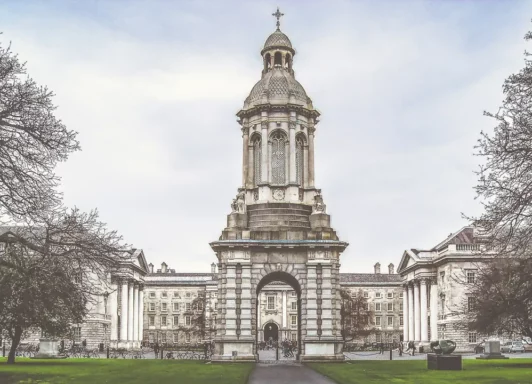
(164, 294)
(390, 321)
(366, 294)
(164, 321)
(176, 307)
(176, 320)
(164, 307)
(294, 305)
(390, 307)
(188, 320)
(377, 307)
(378, 295)
(472, 337)
(471, 276)
(151, 320)
(377, 321)
(188, 306)
(293, 320)
(152, 295)
(152, 307)
(390, 295)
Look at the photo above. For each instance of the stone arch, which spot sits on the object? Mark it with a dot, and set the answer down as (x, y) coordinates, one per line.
(285, 273)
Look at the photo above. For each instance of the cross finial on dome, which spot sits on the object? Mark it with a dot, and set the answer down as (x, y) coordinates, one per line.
(278, 15)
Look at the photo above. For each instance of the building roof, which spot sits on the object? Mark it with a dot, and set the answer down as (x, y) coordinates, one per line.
(278, 39)
(362, 278)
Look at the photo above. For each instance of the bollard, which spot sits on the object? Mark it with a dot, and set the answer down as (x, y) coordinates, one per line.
(277, 352)
(107, 351)
(390, 353)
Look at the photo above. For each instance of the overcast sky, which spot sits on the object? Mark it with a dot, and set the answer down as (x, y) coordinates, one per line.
(152, 87)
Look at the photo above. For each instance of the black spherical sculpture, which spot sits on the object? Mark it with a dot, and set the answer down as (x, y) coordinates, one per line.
(443, 347)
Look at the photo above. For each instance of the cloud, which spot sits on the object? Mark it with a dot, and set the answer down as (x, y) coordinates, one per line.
(152, 89)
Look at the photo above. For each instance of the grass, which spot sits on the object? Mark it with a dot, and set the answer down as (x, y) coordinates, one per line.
(130, 371)
(516, 371)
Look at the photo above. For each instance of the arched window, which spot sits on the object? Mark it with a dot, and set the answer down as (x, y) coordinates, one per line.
(278, 58)
(288, 61)
(300, 145)
(278, 158)
(257, 150)
(267, 61)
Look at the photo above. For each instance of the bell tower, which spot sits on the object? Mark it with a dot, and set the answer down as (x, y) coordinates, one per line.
(278, 228)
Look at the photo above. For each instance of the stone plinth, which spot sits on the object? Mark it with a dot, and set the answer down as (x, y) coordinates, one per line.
(320, 220)
(444, 362)
(492, 350)
(48, 349)
(237, 220)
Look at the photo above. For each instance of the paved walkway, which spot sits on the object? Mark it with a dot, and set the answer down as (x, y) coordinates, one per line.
(286, 374)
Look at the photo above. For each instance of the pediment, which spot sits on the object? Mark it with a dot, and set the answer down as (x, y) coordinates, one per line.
(408, 259)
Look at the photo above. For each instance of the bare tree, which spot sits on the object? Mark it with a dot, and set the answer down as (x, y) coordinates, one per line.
(502, 291)
(52, 273)
(32, 142)
(202, 327)
(355, 316)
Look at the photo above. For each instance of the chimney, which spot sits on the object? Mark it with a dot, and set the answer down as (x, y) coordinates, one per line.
(213, 268)
(390, 269)
(150, 266)
(377, 268)
(163, 267)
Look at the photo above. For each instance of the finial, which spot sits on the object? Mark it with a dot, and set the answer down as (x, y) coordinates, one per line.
(278, 15)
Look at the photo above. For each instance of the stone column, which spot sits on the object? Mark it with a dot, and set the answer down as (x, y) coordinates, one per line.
(245, 153)
(417, 313)
(141, 314)
(292, 138)
(434, 310)
(311, 155)
(251, 168)
(305, 166)
(411, 311)
(284, 310)
(245, 301)
(311, 302)
(327, 302)
(123, 311)
(424, 314)
(135, 312)
(130, 313)
(405, 313)
(113, 309)
(264, 152)
(230, 301)
(259, 319)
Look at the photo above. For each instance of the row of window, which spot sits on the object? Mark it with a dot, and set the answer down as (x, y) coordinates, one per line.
(164, 294)
(175, 306)
(164, 339)
(271, 303)
(379, 295)
(389, 306)
(174, 320)
(389, 321)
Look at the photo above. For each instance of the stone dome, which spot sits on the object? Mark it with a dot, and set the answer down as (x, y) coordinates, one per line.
(278, 86)
(278, 39)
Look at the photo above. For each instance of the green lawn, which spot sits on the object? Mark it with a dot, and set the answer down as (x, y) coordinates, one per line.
(126, 371)
(511, 371)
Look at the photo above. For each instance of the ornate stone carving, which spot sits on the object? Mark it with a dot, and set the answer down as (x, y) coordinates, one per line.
(319, 206)
(301, 194)
(256, 194)
(239, 203)
(264, 125)
(278, 194)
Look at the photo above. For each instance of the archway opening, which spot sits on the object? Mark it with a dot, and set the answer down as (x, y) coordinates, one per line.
(278, 316)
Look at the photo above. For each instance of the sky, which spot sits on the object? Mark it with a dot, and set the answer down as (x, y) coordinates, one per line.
(152, 87)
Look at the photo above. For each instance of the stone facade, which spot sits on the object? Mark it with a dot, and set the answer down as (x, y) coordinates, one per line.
(435, 296)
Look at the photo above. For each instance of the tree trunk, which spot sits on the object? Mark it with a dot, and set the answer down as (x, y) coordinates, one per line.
(14, 344)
